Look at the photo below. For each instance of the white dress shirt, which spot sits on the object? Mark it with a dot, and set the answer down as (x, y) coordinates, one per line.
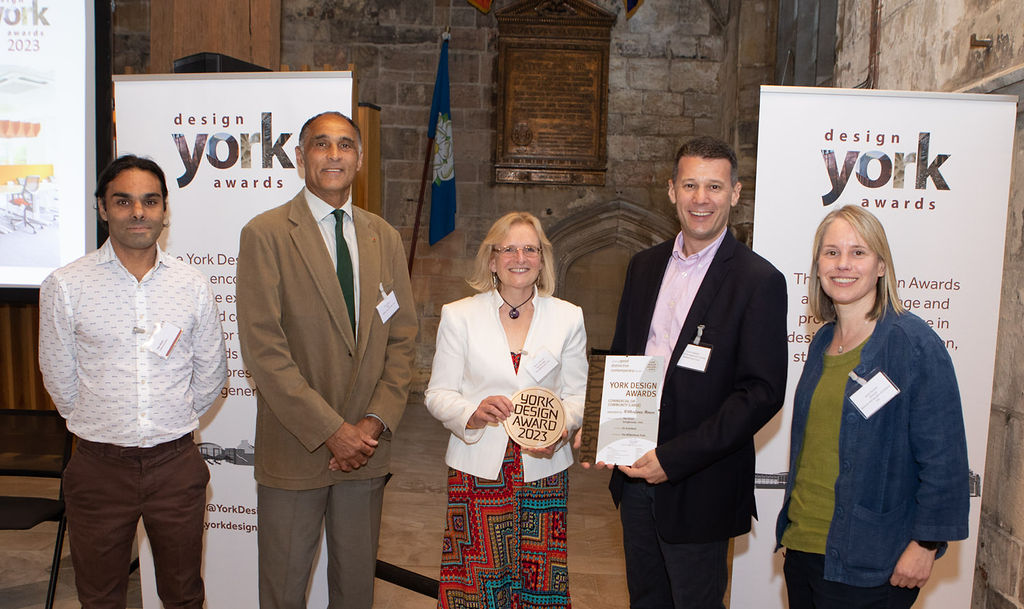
(325, 220)
(472, 361)
(95, 319)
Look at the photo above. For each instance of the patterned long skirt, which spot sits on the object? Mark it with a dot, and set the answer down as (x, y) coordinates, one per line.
(505, 540)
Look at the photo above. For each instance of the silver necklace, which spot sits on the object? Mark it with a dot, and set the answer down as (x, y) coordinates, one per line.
(841, 348)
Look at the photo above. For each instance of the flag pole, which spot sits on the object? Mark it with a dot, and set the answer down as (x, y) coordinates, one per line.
(427, 163)
(419, 206)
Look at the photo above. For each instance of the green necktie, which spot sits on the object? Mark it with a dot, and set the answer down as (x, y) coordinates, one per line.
(344, 267)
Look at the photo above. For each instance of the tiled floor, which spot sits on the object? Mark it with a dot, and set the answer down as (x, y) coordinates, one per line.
(413, 519)
(25, 558)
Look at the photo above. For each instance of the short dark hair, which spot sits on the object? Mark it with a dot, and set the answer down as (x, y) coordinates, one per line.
(707, 147)
(129, 161)
(305, 127)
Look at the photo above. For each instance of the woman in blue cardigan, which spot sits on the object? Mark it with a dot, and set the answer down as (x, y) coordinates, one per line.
(878, 479)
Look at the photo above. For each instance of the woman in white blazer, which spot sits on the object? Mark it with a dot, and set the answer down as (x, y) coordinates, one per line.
(505, 534)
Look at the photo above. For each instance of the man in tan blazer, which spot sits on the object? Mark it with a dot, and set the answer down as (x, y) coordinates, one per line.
(330, 392)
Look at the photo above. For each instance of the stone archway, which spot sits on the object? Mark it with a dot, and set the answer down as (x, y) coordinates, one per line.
(617, 222)
(592, 249)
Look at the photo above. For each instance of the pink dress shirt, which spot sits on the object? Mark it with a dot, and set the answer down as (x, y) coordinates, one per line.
(682, 279)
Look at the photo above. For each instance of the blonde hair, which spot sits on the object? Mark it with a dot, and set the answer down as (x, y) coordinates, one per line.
(482, 279)
(873, 234)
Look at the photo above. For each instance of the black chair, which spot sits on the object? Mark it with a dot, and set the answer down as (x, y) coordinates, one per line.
(35, 443)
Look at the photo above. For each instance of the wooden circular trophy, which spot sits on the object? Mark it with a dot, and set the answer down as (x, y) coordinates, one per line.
(537, 418)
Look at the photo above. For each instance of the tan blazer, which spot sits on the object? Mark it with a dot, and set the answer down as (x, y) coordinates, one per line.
(311, 373)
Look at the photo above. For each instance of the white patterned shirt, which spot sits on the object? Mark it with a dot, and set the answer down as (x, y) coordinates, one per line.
(95, 319)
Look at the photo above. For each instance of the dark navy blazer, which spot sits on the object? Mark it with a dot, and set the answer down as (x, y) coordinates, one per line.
(708, 419)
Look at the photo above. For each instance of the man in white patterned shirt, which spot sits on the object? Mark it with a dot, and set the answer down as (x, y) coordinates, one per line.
(132, 353)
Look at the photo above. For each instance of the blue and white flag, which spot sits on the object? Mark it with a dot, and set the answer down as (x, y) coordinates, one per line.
(442, 189)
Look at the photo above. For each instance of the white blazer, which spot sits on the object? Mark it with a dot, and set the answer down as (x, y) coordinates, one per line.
(472, 361)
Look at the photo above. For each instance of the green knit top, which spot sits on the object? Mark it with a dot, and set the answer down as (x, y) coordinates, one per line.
(813, 499)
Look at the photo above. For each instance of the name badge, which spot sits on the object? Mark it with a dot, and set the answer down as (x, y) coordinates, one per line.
(387, 306)
(873, 394)
(164, 337)
(695, 356)
(540, 364)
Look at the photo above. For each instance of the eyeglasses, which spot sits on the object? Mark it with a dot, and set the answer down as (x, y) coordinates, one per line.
(529, 251)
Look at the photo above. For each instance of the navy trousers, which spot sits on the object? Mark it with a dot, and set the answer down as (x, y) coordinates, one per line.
(665, 575)
(808, 589)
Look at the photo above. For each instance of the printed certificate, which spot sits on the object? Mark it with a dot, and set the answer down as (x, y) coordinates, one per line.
(629, 399)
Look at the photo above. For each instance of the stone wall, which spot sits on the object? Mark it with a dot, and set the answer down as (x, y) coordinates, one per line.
(926, 46)
(678, 68)
(674, 72)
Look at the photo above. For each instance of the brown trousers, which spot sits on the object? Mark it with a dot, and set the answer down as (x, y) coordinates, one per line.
(107, 489)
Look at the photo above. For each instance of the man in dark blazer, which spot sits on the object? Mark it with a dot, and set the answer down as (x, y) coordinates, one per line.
(328, 327)
(717, 312)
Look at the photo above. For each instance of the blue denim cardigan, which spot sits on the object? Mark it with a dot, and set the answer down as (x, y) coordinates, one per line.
(903, 473)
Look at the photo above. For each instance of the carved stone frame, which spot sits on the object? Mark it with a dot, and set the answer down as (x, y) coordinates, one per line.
(552, 43)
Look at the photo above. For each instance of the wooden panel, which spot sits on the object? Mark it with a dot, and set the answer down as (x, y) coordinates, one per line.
(6, 358)
(249, 30)
(21, 384)
(367, 193)
(161, 30)
(215, 27)
(265, 25)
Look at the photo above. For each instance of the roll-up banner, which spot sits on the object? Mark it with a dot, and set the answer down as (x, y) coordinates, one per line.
(227, 144)
(935, 169)
(47, 137)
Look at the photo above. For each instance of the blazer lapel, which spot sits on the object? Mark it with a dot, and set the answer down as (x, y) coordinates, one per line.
(647, 296)
(491, 332)
(309, 242)
(713, 280)
(370, 276)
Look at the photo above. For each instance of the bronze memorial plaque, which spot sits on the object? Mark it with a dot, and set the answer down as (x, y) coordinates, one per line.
(552, 93)
(537, 419)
